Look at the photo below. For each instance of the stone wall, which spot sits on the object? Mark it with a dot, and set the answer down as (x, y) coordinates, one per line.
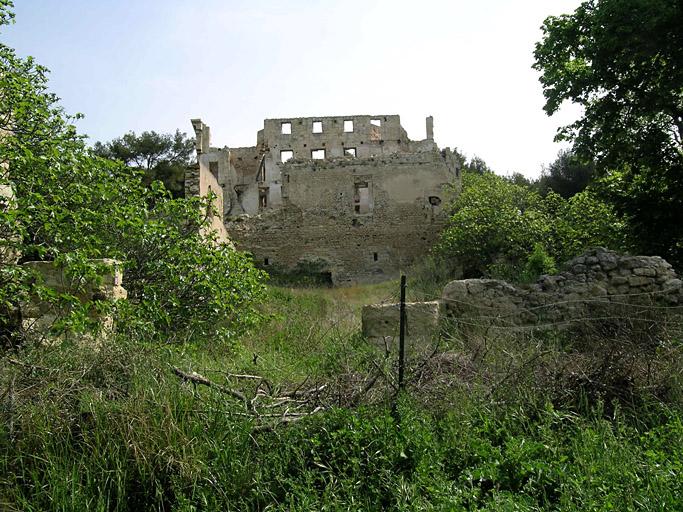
(319, 224)
(8, 233)
(203, 178)
(355, 216)
(382, 320)
(39, 315)
(599, 285)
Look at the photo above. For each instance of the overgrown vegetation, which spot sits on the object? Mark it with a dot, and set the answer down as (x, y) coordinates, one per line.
(496, 224)
(490, 420)
(622, 62)
(303, 413)
(72, 206)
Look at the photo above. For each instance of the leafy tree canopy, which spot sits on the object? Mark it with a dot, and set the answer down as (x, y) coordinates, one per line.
(567, 175)
(163, 157)
(496, 225)
(72, 206)
(622, 62)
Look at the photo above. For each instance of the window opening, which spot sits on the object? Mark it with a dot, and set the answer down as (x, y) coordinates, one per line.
(348, 126)
(317, 126)
(375, 256)
(375, 122)
(213, 168)
(434, 200)
(350, 152)
(361, 198)
(286, 154)
(263, 198)
(318, 154)
(286, 128)
(262, 173)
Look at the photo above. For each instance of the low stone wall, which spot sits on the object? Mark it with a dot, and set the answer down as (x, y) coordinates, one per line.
(39, 315)
(382, 320)
(600, 284)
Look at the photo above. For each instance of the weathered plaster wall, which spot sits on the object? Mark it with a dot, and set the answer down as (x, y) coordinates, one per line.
(382, 320)
(318, 221)
(208, 176)
(355, 217)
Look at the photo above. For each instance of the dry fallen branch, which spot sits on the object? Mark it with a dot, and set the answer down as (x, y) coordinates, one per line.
(267, 409)
(199, 379)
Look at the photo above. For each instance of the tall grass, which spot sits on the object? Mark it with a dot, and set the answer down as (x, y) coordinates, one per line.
(116, 430)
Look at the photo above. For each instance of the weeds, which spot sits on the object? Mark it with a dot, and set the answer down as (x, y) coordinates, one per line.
(486, 423)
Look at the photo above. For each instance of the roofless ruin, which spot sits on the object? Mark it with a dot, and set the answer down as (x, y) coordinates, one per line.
(348, 198)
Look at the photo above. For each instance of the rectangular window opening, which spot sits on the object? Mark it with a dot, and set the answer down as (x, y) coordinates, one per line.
(318, 154)
(266, 262)
(317, 126)
(348, 126)
(263, 198)
(350, 152)
(375, 256)
(286, 154)
(361, 198)
(286, 128)
(213, 168)
(375, 122)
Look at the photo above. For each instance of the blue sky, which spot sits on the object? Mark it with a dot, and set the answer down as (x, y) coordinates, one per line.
(154, 64)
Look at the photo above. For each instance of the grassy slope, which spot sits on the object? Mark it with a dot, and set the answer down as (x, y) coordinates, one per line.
(117, 431)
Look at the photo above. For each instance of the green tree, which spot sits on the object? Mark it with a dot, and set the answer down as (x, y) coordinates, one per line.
(72, 206)
(567, 175)
(622, 62)
(478, 165)
(162, 156)
(519, 179)
(493, 226)
(502, 229)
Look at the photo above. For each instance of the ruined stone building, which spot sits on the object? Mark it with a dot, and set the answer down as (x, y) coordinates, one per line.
(349, 198)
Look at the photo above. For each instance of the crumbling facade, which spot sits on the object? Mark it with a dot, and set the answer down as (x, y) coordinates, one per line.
(349, 198)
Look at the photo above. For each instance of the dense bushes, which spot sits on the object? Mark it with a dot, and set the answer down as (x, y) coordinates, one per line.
(491, 421)
(72, 206)
(495, 225)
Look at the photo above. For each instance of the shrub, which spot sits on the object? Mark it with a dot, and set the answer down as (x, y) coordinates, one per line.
(72, 206)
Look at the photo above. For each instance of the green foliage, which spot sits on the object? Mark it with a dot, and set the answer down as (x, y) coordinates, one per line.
(539, 262)
(566, 176)
(584, 221)
(72, 206)
(495, 225)
(163, 157)
(622, 62)
(492, 222)
(115, 430)
(126, 437)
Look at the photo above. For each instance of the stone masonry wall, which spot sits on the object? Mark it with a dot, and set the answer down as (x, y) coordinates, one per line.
(382, 320)
(318, 227)
(350, 216)
(38, 315)
(203, 179)
(598, 283)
